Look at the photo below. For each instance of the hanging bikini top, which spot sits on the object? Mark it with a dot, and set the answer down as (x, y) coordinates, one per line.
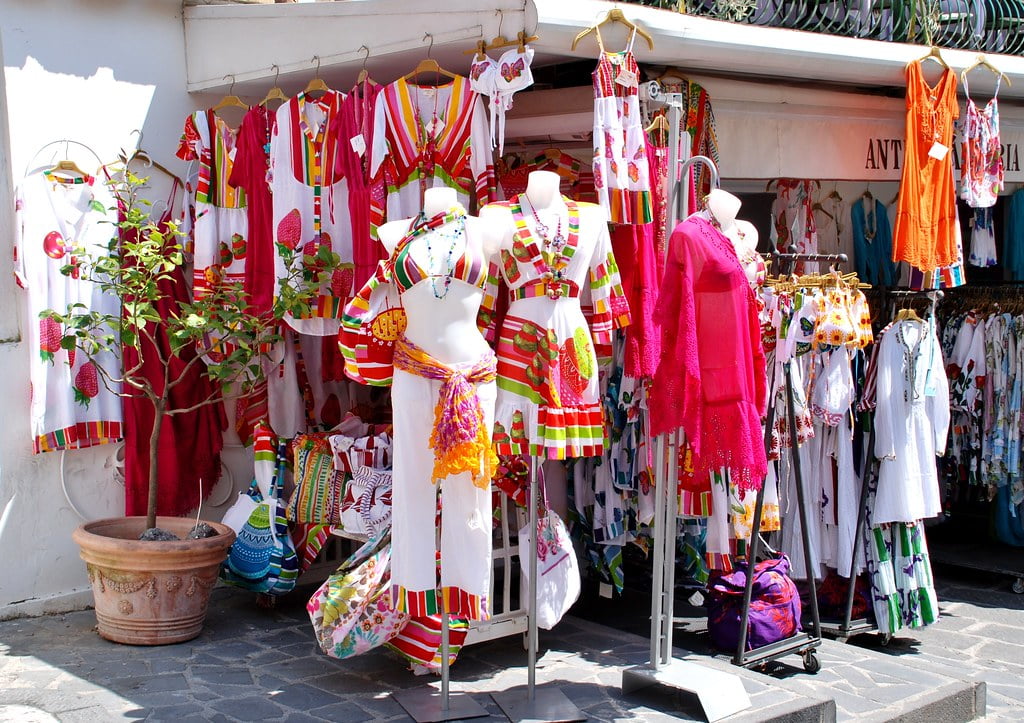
(499, 80)
(469, 267)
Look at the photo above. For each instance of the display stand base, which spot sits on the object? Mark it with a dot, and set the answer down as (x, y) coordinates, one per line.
(720, 694)
(426, 705)
(548, 705)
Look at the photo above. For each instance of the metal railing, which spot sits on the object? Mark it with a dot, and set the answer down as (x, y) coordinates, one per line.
(992, 26)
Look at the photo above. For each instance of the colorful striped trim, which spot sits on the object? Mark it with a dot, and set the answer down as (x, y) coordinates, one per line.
(632, 207)
(78, 436)
(525, 240)
(539, 287)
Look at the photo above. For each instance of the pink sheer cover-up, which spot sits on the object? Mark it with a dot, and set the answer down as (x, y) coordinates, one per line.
(711, 377)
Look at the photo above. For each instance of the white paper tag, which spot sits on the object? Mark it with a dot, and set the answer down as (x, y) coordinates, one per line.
(938, 151)
(605, 590)
(627, 78)
(427, 91)
(358, 144)
(435, 127)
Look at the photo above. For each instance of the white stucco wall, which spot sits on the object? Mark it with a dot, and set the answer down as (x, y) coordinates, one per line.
(92, 71)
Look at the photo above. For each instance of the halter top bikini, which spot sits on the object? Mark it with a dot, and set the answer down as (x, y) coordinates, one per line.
(469, 267)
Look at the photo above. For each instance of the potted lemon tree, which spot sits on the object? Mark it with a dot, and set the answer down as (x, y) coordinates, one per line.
(155, 590)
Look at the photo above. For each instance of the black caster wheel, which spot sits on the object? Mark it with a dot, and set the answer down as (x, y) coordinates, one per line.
(811, 662)
(1018, 586)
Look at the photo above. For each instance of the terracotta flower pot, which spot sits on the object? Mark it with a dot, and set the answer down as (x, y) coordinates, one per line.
(150, 593)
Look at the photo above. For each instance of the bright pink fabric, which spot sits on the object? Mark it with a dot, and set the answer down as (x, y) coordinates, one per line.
(356, 118)
(250, 173)
(711, 377)
(633, 246)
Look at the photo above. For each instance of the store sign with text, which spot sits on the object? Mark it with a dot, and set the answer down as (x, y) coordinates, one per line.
(776, 145)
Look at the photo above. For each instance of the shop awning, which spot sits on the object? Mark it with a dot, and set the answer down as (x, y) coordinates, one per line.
(244, 41)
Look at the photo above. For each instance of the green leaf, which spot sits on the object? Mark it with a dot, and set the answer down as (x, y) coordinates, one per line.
(95, 205)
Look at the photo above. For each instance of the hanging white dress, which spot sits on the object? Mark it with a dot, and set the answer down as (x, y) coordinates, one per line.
(912, 421)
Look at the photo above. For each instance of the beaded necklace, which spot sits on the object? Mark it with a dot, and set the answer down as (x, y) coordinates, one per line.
(422, 226)
(553, 245)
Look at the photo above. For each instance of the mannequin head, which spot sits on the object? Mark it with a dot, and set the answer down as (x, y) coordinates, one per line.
(542, 189)
(723, 206)
(438, 200)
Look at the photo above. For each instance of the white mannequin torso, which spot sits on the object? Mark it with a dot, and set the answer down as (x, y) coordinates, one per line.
(723, 207)
(443, 327)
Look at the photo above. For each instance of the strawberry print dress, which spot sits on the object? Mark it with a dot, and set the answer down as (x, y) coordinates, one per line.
(71, 408)
(310, 194)
(562, 302)
(219, 224)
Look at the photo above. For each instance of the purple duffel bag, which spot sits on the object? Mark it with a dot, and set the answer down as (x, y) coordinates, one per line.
(774, 605)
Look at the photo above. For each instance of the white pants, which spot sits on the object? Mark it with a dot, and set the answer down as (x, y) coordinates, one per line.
(465, 511)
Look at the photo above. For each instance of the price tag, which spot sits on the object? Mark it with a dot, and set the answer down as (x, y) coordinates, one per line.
(435, 127)
(938, 151)
(627, 78)
(358, 144)
(929, 385)
(604, 590)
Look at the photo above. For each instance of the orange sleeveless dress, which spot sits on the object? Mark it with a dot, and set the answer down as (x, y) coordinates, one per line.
(925, 233)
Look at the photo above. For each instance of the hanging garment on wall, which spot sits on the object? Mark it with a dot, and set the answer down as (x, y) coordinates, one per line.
(513, 173)
(548, 394)
(912, 420)
(251, 173)
(715, 392)
(925, 232)
(981, 172)
(1013, 239)
(200, 432)
(633, 246)
(499, 80)
(311, 201)
(793, 222)
(872, 243)
(983, 238)
(355, 123)
(426, 136)
(943, 277)
(219, 232)
(71, 406)
(620, 155)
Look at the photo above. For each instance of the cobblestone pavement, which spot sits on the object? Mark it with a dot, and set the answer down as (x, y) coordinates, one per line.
(253, 664)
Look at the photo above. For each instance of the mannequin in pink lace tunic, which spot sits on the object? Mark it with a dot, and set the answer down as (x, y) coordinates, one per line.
(711, 377)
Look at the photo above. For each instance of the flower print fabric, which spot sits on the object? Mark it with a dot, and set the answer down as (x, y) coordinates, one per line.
(620, 153)
(981, 174)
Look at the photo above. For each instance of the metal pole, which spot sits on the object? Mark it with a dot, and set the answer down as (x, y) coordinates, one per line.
(657, 577)
(755, 543)
(862, 514)
(669, 594)
(444, 657)
(801, 503)
(531, 652)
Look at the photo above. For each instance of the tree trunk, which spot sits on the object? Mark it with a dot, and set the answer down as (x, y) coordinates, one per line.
(154, 476)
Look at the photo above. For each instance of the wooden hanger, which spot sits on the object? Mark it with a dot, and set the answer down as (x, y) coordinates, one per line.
(230, 100)
(867, 193)
(935, 55)
(614, 16)
(983, 62)
(274, 93)
(907, 314)
(524, 38)
(659, 124)
(69, 167)
(479, 51)
(316, 84)
(428, 64)
(816, 206)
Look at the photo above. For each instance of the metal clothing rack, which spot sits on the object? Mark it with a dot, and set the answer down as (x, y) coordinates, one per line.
(803, 643)
(847, 627)
(720, 694)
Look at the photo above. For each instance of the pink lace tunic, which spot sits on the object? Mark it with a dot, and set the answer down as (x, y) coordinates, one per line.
(711, 377)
